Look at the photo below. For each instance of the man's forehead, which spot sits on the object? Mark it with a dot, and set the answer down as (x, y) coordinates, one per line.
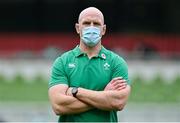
(91, 12)
(92, 18)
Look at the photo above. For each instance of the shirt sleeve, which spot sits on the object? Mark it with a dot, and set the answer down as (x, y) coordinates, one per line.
(120, 69)
(58, 74)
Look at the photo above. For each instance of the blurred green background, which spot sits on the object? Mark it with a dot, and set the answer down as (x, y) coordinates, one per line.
(156, 90)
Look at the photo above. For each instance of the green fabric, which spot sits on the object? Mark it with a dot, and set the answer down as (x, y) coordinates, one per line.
(74, 68)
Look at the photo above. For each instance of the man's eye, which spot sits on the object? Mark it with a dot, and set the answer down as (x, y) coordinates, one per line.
(96, 23)
(86, 23)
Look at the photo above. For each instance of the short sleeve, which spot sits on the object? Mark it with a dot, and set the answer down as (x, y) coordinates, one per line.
(120, 69)
(58, 74)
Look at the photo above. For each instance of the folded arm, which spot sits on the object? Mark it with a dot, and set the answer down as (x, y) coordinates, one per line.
(105, 100)
(64, 104)
(114, 96)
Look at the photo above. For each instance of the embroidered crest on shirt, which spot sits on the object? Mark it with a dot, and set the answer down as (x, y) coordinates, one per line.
(106, 66)
(103, 56)
(71, 65)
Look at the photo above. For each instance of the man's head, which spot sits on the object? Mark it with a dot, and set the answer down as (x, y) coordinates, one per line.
(90, 17)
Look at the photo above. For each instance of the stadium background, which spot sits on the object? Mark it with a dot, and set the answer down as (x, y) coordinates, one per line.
(34, 32)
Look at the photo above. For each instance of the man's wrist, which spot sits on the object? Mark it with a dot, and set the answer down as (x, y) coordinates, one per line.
(74, 91)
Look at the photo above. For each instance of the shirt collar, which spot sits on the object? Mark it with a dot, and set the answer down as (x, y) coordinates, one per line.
(102, 53)
(78, 52)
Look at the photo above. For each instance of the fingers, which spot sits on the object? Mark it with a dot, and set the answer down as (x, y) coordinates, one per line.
(120, 86)
(117, 82)
(115, 79)
(68, 92)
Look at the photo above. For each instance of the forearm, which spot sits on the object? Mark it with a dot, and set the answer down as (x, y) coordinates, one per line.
(104, 100)
(99, 99)
(64, 104)
(71, 105)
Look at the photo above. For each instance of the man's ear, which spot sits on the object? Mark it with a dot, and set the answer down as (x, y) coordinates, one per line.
(104, 29)
(77, 28)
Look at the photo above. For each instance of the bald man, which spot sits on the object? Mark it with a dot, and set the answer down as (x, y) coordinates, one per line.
(89, 83)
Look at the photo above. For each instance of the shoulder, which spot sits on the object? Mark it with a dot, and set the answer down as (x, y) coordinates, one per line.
(67, 54)
(112, 56)
(64, 57)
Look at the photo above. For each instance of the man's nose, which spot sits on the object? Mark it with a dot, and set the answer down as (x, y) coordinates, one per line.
(92, 24)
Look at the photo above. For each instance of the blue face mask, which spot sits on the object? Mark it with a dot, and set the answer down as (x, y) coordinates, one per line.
(91, 36)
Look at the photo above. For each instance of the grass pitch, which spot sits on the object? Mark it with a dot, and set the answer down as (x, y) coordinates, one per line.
(155, 91)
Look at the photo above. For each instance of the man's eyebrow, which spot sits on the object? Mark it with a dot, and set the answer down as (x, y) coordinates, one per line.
(97, 22)
(86, 21)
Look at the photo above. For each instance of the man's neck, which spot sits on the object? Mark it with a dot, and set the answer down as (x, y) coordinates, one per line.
(90, 51)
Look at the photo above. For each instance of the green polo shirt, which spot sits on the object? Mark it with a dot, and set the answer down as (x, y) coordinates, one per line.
(74, 68)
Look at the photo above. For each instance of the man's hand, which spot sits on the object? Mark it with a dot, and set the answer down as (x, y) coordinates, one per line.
(117, 83)
(68, 92)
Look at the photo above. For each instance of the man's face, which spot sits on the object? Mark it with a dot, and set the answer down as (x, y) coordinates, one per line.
(90, 19)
